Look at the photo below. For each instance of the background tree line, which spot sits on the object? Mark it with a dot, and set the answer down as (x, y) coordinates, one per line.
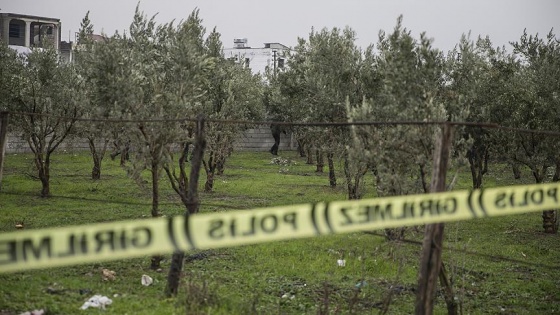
(401, 78)
(176, 70)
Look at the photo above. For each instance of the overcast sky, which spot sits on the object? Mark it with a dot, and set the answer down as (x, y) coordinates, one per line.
(284, 21)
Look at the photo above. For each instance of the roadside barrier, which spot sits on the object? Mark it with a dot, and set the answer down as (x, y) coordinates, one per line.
(44, 248)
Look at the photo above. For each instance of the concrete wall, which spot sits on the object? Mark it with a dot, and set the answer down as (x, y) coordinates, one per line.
(258, 139)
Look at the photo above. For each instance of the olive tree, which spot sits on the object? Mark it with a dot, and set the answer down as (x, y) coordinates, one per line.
(285, 97)
(233, 93)
(48, 95)
(10, 76)
(470, 77)
(153, 77)
(534, 100)
(322, 75)
(166, 67)
(88, 62)
(333, 78)
(411, 77)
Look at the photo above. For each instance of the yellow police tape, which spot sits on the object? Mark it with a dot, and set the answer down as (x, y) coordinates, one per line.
(23, 250)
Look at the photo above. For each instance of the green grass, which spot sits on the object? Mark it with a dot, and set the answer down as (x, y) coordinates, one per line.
(516, 270)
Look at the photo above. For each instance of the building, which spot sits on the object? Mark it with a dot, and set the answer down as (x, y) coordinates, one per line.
(272, 55)
(29, 31)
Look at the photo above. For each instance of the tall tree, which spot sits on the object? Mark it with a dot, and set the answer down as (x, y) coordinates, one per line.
(410, 73)
(157, 71)
(98, 134)
(323, 73)
(285, 97)
(152, 52)
(469, 76)
(334, 79)
(407, 85)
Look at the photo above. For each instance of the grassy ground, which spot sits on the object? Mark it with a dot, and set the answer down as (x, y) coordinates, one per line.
(515, 271)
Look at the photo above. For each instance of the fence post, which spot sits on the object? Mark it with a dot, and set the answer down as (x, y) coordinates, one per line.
(430, 263)
(3, 141)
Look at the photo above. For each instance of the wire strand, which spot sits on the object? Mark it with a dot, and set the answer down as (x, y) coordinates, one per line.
(473, 253)
(488, 125)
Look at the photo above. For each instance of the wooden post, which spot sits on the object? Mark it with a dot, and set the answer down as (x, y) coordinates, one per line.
(430, 263)
(3, 141)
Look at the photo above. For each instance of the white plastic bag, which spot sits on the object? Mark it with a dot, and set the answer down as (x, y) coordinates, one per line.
(98, 301)
(147, 280)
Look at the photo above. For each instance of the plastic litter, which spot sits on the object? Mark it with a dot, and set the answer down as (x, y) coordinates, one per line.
(147, 280)
(98, 301)
(341, 262)
(34, 312)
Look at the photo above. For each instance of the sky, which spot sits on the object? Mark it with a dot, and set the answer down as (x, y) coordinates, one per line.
(266, 21)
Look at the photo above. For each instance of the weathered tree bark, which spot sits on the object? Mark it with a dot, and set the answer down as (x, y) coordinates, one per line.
(180, 182)
(191, 202)
(124, 154)
(550, 217)
(210, 168)
(478, 161)
(301, 147)
(353, 181)
(156, 259)
(216, 160)
(550, 221)
(320, 161)
(122, 149)
(42, 150)
(430, 263)
(309, 155)
(516, 170)
(96, 169)
(448, 294)
(43, 163)
(155, 189)
(332, 174)
(44, 175)
(220, 166)
(97, 157)
(209, 185)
